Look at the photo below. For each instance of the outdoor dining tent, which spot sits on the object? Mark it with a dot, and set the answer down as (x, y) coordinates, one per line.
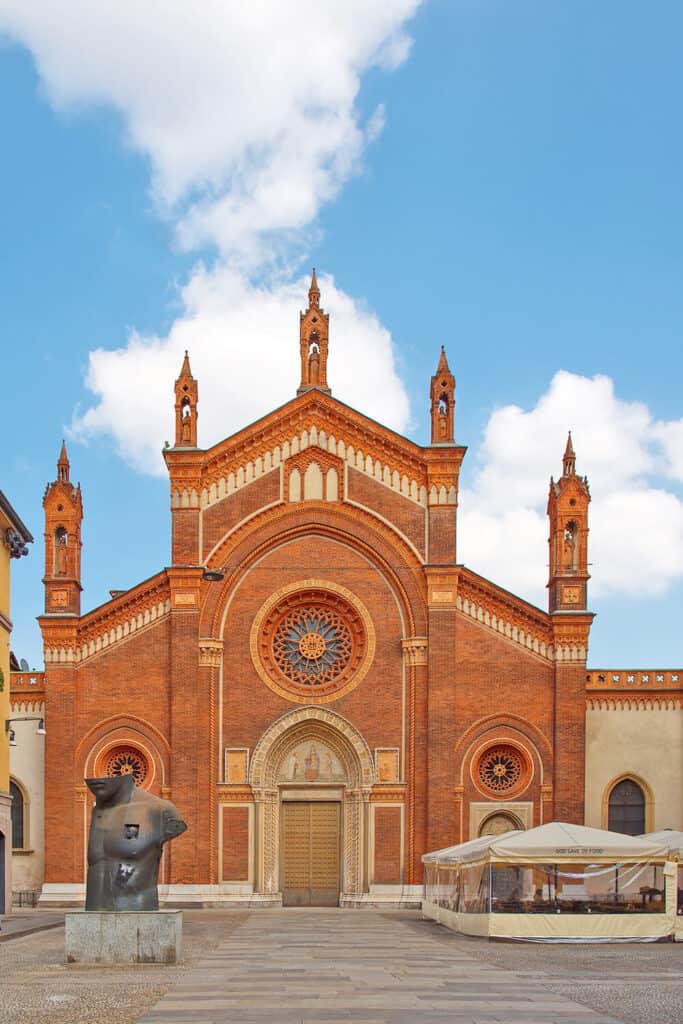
(556, 882)
(674, 842)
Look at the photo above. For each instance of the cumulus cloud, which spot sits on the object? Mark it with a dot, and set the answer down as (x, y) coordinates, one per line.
(248, 116)
(246, 111)
(244, 351)
(635, 520)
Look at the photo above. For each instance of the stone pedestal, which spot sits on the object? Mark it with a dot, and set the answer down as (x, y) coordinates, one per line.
(124, 937)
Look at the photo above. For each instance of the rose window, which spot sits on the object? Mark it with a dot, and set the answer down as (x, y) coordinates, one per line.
(312, 645)
(126, 761)
(501, 769)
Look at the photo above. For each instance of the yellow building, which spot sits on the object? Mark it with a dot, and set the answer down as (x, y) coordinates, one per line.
(13, 540)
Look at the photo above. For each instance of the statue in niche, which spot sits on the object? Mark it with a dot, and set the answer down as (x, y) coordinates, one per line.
(61, 553)
(128, 829)
(570, 551)
(442, 423)
(186, 423)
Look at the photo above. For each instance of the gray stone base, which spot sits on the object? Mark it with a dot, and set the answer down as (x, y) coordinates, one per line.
(126, 937)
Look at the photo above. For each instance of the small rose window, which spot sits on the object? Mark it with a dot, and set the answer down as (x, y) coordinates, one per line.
(502, 770)
(126, 761)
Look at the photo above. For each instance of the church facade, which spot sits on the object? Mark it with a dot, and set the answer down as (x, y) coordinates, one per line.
(315, 681)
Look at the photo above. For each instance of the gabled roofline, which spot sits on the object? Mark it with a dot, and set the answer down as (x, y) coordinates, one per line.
(526, 606)
(311, 396)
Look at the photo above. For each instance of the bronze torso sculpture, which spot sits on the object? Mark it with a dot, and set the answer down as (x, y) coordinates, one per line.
(128, 829)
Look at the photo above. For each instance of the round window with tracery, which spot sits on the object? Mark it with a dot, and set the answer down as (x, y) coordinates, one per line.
(311, 645)
(502, 770)
(126, 761)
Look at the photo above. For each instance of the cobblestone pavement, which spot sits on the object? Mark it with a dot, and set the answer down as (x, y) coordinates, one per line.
(333, 965)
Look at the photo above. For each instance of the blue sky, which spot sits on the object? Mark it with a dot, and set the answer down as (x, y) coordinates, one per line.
(501, 178)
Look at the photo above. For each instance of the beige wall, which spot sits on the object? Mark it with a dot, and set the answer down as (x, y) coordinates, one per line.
(646, 744)
(27, 766)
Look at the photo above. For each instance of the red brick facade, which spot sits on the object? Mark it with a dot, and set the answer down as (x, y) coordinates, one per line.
(407, 668)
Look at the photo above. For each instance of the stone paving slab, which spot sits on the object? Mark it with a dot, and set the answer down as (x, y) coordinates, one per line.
(25, 922)
(310, 967)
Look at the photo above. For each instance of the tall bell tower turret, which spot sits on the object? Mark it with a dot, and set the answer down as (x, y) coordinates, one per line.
(186, 397)
(442, 394)
(313, 342)
(568, 502)
(63, 507)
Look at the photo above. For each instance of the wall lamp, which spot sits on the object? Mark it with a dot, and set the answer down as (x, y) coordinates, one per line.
(40, 731)
(213, 575)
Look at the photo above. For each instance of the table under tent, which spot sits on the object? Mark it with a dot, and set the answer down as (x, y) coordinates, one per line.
(674, 842)
(555, 883)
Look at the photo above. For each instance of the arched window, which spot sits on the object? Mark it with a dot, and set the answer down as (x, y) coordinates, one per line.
(627, 808)
(17, 816)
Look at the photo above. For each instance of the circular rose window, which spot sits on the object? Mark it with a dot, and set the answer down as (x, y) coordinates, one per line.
(312, 644)
(502, 770)
(126, 761)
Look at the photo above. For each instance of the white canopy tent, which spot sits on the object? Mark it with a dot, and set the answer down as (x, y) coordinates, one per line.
(556, 882)
(674, 871)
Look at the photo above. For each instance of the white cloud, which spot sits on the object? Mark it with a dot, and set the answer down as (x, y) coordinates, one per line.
(248, 115)
(636, 538)
(246, 111)
(244, 351)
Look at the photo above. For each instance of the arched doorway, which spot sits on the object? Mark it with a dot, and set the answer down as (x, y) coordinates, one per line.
(311, 775)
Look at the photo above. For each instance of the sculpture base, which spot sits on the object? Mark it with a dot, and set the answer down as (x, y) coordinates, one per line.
(124, 937)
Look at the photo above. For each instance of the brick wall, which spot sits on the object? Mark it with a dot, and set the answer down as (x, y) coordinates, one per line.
(219, 518)
(408, 517)
(387, 844)
(235, 843)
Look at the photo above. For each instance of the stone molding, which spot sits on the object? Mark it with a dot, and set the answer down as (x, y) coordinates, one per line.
(635, 702)
(628, 679)
(372, 459)
(112, 624)
(415, 650)
(505, 625)
(210, 652)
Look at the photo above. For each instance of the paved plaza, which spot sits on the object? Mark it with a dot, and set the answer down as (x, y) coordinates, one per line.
(333, 966)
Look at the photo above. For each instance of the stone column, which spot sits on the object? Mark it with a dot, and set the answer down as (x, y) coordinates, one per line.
(415, 659)
(267, 820)
(210, 661)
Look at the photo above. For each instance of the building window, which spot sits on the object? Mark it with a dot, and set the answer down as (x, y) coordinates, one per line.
(126, 760)
(627, 808)
(312, 645)
(502, 770)
(17, 816)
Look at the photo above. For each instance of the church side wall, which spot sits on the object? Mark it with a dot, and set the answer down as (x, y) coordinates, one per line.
(113, 693)
(645, 744)
(503, 694)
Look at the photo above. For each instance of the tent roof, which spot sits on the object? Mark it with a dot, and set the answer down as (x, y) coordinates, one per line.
(668, 837)
(556, 842)
(474, 849)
